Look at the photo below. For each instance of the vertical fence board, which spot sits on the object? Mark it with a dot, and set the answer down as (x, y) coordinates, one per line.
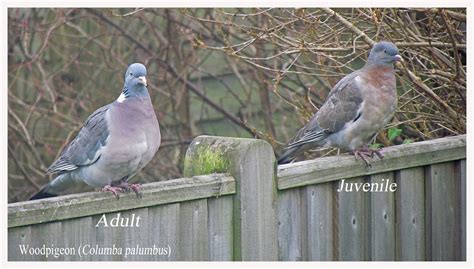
(220, 228)
(352, 224)
(410, 206)
(193, 245)
(462, 190)
(48, 234)
(382, 218)
(289, 225)
(107, 237)
(164, 230)
(443, 213)
(320, 221)
(460, 207)
(19, 236)
(77, 232)
(135, 239)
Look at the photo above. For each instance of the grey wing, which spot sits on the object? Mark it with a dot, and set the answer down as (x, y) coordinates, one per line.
(86, 147)
(342, 106)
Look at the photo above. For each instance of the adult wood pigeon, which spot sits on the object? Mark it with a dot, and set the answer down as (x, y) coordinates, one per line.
(115, 143)
(356, 109)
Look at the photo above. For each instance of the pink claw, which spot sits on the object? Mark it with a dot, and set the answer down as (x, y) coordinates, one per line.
(114, 190)
(366, 152)
(134, 187)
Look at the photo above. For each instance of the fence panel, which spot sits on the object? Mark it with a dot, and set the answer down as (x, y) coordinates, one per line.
(254, 210)
(170, 222)
(423, 219)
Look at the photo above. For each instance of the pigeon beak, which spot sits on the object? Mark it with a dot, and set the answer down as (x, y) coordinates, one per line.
(142, 80)
(397, 58)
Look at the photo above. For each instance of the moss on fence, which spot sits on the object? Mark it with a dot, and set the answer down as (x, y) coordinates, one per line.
(205, 160)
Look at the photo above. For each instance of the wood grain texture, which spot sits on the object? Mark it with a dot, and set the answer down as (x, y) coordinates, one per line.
(51, 236)
(443, 213)
(461, 173)
(106, 239)
(76, 232)
(220, 228)
(320, 217)
(91, 203)
(193, 232)
(290, 226)
(19, 236)
(395, 158)
(163, 230)
(353, 224)
(382, 220)
(410, 211)
(136, 242)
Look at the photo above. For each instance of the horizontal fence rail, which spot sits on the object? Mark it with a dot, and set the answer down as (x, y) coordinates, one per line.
(84, 204)
(244, 207)
(395, 158)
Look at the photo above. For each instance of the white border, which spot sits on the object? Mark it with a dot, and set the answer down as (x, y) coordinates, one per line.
(222, 3)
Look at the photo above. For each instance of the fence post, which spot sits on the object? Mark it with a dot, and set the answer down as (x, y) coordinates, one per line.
(252, 163)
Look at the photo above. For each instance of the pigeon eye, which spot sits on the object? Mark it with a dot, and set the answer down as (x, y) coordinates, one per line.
(385, 51)
(131, 74)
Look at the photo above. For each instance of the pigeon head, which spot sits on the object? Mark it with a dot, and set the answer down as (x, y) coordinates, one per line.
(384, 53)
(135, 82)
(135, 76)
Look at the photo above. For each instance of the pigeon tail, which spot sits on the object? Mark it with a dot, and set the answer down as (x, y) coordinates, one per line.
(288, 155)
(45, 192)
(53, 188)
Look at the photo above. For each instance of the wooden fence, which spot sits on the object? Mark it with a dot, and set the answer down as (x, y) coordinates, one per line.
(244, 208)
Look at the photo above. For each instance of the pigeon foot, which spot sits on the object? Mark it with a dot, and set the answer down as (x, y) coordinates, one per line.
(365, 152)
(114, 190)
(136, 188)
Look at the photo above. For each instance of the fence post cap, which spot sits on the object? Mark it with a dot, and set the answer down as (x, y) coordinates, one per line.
(252, 163)
(216, 154)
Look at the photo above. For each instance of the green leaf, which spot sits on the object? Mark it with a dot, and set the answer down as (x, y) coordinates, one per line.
(393, 133)
(375, 146)
(407, 141)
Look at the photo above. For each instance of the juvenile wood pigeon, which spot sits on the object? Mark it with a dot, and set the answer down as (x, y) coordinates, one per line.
(356, 109)
(115, 143)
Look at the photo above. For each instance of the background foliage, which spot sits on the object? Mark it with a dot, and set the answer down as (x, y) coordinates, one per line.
(233, 72)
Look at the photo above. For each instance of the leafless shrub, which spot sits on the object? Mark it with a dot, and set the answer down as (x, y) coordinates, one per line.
(241, 72)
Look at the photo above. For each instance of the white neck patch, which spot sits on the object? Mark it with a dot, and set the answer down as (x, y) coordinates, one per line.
(121, 98)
